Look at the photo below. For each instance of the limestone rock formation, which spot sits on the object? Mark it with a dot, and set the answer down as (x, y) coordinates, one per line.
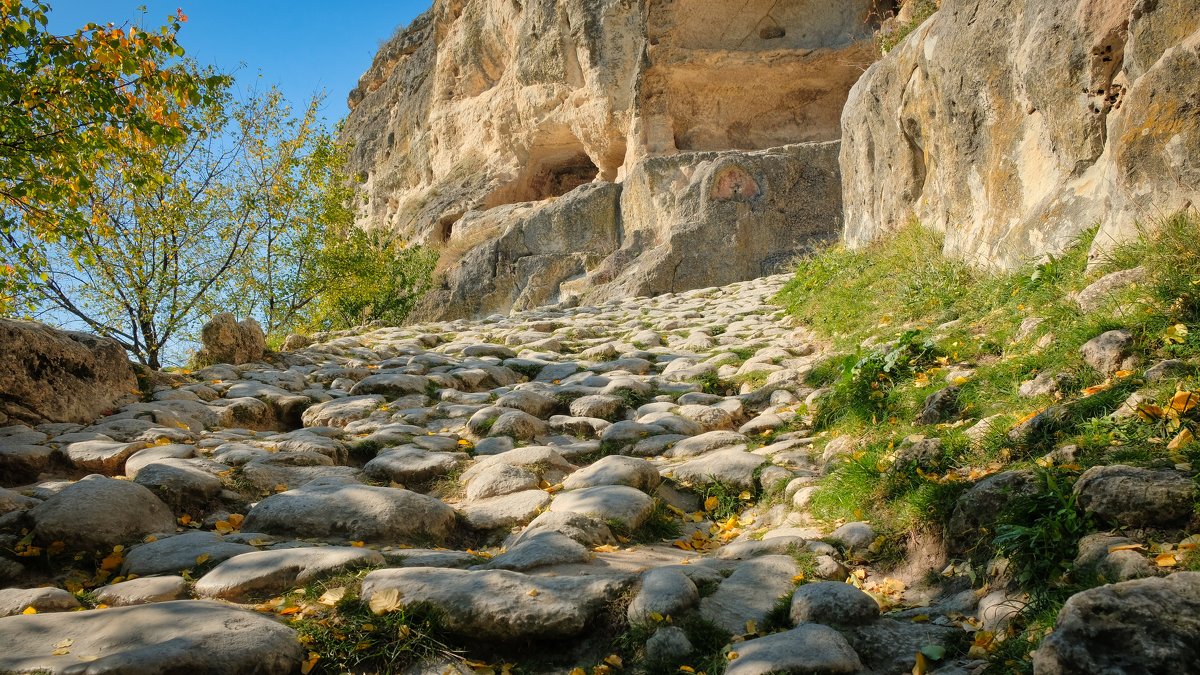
(1015, 125)
(60, 376)
(226, 340)
(473, 116)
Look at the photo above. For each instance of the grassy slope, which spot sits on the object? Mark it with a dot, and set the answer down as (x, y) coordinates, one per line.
(902, 289)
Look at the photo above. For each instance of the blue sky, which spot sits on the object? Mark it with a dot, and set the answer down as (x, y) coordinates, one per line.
(304, 46)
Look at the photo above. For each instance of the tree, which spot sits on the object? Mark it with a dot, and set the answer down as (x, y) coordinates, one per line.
(233, 220)
(365, 276)
(71, 106)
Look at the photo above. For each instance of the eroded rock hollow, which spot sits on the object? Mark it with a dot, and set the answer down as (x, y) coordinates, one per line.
(703, 129)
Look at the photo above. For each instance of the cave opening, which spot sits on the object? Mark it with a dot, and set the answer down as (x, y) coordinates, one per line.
(554, 167)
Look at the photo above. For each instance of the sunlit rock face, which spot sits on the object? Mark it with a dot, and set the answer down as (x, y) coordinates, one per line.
(482, 104)
(1016, 125)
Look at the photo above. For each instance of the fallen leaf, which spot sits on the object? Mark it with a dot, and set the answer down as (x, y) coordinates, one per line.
(935, 652)
(385, 600)
(614, 660)
(202, 558)
(332, 596)
(732, 656)
(1125, 547)
(711, 503)
(606, 548)
(1166, 560)
(1175, 334)
(309, 663)
(1182, 439)
(1183, 401)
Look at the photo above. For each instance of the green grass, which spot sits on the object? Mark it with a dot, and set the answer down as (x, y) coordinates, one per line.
(920, 315)
(923, 10)
(348, 637)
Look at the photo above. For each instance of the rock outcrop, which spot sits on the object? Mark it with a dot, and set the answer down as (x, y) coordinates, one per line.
(60, 376)
(224, 339)
(1016, 125)
(480, 111)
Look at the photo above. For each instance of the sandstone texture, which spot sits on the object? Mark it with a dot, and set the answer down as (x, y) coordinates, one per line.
(60, 376)
(224, 339)
(678, 119)
(1015, 125)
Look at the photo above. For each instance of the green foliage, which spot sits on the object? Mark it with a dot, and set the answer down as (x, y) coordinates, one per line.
(369, 276)
(864, 389)
(727, 499)
(78, 105)
(923, 10)
(230, 224)
(1039, 534)
(348, 637)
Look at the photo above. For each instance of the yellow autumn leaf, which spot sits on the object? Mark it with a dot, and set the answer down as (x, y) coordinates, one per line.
(332, 596)
(614, 660)
(1182, 439)
(533, 593)
(309, 663)
(385, 600)
(1175, 334)
(711, 503)
(578, 671)
(358, 544)
(1149, 412)
(368, 627)
(656, 617)
(686, 669)
(29, 610)
(732, 656)
(745, 496)
(1125, 547)
(1183, 401)
(605, 548)
(751, 627)
(1166, 560)
(223, 527)
(202, 558)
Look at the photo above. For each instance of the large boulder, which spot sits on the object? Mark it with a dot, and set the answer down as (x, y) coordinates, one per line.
(224, 339)
(269, 572)
(97, 513)
(1137, 497)
(202, 637)
(50, 375)
(497, 604)
(1015, 125)
(341, 508)
(1142, 626)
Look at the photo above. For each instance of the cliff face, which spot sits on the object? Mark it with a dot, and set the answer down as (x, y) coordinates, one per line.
(1015, 125)
(483, 104)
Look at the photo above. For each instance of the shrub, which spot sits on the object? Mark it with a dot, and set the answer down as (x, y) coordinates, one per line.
(364, 276)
